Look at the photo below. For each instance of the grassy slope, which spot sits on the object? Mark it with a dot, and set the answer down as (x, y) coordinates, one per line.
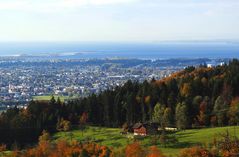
(48, 97)
(111, 137)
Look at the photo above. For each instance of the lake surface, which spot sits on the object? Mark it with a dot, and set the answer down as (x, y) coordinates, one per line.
(161, 50)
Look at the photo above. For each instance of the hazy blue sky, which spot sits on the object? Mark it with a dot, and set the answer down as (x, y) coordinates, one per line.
(118, 20)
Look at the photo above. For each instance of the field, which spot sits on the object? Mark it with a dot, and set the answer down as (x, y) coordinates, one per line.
(111, 137)
(48, 97)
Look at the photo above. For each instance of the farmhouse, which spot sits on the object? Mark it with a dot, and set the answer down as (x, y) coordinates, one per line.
(144, 129)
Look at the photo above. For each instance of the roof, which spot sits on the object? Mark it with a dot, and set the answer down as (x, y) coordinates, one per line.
(137, 125)
(146, 125)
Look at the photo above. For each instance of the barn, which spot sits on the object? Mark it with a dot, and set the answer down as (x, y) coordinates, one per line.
(144, 129)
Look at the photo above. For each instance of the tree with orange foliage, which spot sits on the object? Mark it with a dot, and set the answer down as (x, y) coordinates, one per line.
(43, 149)
(155, 152)
(213, 121)
(64, 149)
(63, 125)
(83, 118)
(44, 137)
(3, 148)
(135, 150)
(203, 117)
(105, 152)
(82, 122)
(195, 152)
(185, 90)
(233, 112)
(229, 145)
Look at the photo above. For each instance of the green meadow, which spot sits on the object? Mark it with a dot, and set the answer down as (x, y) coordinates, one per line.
(111, 137)
(48, 97)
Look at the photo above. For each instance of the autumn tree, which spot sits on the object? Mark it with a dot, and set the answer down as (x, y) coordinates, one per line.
(155, 152)
(229, 145)
(186, 90)
(204, 112)
(233, 112)
(63, 125)
(63, 148)
(82, 122)
(135, 150)
(43, 145)
(3, 148)
(195, 152)
(44, 137)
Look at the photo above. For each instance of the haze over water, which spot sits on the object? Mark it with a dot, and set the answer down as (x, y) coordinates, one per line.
(127, 50)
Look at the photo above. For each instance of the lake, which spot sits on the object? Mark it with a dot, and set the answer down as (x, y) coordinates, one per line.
(161, 50)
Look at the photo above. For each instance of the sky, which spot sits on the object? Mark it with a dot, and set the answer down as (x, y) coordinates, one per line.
(118, 20)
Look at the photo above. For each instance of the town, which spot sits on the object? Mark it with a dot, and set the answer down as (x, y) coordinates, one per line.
(21, 79)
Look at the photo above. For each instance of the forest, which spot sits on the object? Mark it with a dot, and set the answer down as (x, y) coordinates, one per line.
(193, 98)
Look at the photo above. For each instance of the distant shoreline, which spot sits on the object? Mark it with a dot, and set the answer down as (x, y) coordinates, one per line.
(163, 50)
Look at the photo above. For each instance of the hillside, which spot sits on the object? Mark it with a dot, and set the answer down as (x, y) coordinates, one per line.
(209, 96)
(193, 98)
(111, 137)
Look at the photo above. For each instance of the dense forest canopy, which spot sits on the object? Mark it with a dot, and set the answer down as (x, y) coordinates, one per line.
(194, 97)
